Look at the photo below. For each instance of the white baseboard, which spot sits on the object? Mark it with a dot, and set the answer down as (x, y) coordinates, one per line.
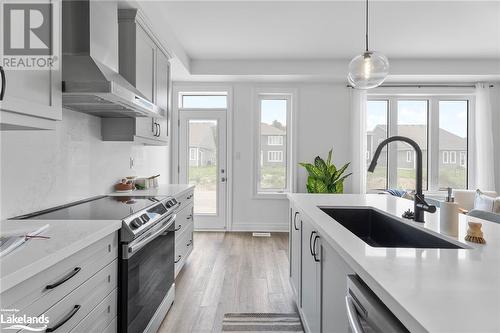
(259, 227)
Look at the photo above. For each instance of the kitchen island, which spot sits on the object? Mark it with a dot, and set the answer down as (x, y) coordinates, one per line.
(427, 289)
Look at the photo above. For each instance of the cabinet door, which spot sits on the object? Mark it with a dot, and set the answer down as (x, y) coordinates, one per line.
(295, 253)
(145, 64)
(34, 92)
(162, 81)
(310, 279)
(163, 129)
(146, 128)
(334, 271)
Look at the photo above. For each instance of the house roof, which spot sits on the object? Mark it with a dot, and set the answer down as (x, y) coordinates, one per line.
(447, 140)
(202, 135)
(266, 129)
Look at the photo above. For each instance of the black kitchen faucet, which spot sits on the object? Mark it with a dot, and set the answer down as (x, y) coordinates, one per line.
(420, 206)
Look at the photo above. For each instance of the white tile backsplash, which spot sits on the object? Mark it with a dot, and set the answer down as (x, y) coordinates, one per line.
(40, 169)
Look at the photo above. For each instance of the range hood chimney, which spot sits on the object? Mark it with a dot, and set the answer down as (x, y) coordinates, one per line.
(91, 82)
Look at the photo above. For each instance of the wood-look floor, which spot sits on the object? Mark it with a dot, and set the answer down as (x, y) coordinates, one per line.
(230, 272)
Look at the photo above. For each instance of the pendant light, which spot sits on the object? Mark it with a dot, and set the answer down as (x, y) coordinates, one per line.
(369, 69)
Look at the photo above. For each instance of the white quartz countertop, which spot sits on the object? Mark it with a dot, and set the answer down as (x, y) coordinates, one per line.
(162, 190)
(36, 255)
(434, 290)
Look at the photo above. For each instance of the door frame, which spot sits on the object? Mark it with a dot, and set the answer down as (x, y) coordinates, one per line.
(175, 142)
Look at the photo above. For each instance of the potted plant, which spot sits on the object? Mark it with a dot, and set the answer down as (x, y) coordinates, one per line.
(324, 177)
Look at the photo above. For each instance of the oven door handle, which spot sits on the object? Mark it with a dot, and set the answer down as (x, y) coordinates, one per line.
(133, 248)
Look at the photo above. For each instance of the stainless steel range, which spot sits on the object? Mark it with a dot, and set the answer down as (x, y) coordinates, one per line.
(146, 269)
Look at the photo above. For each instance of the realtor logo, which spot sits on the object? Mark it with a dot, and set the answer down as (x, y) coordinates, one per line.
(27, 29)
(29, 40)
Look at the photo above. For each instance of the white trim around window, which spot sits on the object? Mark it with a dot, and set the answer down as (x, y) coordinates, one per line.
(289, 153)
(409, 155)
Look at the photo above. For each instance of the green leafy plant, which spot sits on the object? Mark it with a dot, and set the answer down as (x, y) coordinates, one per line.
(324, 177)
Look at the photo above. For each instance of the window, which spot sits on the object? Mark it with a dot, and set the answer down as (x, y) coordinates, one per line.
(202, 100)
(377, 113)
(275, 156)
(453, 116)
(463, 159)
(453, 157)
(192, 154)
(273, 174)
(446, 157)
(275, 140)
(438, 124)
(408, 156)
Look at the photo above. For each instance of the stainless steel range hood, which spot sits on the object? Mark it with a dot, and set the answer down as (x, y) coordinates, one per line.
(91, 83)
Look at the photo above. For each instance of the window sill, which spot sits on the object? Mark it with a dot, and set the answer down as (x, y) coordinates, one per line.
(270, 196)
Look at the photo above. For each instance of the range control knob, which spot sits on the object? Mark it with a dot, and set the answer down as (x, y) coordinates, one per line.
(174, 201)
(169, 204)
(144, 218)
(136, 223)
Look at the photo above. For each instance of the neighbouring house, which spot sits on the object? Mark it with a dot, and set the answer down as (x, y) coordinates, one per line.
(202, 146)
(452, 148)
(273, 145)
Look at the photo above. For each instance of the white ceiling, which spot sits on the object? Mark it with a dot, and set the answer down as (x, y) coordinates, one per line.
(308, 30)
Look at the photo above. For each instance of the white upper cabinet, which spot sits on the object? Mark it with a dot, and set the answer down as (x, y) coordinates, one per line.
(145, 64)
(32, 99)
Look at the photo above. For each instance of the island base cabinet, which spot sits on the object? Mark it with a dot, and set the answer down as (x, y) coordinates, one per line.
(311, 278)
(295, 256)
(334, 271)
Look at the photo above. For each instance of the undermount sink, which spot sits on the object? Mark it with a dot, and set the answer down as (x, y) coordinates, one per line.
(380, 230)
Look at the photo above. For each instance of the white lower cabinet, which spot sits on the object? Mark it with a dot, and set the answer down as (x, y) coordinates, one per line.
(295, 253)
(78, 294)
(184, 227)
(318, 275)
(311, 278)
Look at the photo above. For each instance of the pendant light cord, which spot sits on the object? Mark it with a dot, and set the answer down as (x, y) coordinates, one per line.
(366, 26)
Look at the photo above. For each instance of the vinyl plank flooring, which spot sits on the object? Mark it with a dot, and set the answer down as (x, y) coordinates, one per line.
(230, 272)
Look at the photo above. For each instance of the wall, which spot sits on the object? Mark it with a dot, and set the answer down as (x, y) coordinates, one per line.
(322, 115)
(41, 169)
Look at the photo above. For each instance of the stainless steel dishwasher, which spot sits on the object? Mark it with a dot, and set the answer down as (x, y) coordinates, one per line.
(365, 312)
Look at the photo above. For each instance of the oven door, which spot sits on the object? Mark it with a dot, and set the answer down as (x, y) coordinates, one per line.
(147, 274)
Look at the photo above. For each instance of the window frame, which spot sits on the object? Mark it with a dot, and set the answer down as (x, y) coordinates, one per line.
(191, 151)
(270, 94)
(433, 158)
(453, 157)
(181, 94)
(409, 156)
(446, 157)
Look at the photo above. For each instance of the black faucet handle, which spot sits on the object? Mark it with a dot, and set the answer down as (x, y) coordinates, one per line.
(422, 204)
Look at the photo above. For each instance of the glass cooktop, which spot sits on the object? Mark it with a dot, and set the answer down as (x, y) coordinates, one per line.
(100, 208)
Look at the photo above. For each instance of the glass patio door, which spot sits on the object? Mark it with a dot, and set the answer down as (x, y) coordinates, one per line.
(202, 162)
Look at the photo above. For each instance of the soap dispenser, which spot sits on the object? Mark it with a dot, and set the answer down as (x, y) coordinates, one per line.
(448, 215)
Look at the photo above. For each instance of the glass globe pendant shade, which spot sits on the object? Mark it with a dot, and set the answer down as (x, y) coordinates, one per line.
(368, 70)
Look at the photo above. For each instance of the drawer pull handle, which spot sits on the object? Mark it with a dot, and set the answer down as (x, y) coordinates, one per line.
(64, 279)
(178, 228)
(189, 217)
(178, 259)
(190, 242)
(65, 319)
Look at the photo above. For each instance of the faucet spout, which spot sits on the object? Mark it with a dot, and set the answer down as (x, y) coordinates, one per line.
(419, 203)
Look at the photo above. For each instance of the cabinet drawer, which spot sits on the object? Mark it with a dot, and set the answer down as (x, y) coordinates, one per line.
(183, 247)
(74, 307)
(62, 277)
(112, 327)
(184, 220)
(100, 317)
(185, 198)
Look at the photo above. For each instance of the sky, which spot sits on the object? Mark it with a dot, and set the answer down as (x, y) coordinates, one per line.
(452, 115)
(274, 109)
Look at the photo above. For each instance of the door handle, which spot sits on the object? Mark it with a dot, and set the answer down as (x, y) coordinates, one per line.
(159, 129)
(223, 179)
(310, 242)
(314, 248)
(4, 83)
(295, 220)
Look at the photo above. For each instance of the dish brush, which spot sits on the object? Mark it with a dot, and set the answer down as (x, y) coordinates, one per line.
(474, 233)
